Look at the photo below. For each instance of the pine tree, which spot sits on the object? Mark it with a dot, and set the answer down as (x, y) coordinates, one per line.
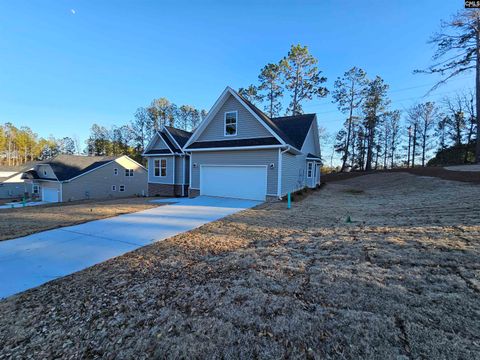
(374, 106)
(458, 52)
(302, 78)
(348, 94)
(271, 84)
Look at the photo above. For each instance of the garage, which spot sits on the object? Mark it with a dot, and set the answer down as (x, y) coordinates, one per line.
(234, 181)
(50, 195)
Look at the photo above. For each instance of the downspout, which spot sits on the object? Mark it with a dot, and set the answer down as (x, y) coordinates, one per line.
(173, 175)
(280, 166)
(61, 191)
(183, 175)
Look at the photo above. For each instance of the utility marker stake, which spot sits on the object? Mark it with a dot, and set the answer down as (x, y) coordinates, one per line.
(289, 202)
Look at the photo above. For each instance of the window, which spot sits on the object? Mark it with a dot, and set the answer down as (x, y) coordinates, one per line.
(128, 172)
(231, 123)
(122, 188)
(45, 172)
(36, 189)
(115, 171)
(309, 169)
(114, 187)
(160, 167)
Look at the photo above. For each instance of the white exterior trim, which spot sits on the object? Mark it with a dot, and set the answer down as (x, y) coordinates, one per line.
(174, 174)
(240, 148)
(171, 137)
(235, 95)
(279, 174)
(213, 111)
(157, 133)
(225, 123)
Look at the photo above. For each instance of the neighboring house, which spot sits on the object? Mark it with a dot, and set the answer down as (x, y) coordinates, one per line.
(75, 177)
(237, 151)
(168, 164)
(11, 183)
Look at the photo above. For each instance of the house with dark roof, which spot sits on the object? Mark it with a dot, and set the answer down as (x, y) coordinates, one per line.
(76, 177)
(168, 164)
(238, 151)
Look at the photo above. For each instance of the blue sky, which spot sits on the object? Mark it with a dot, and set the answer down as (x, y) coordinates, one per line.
(66, 64)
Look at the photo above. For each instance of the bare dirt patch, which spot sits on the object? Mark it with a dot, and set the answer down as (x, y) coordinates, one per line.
(439, 172)
(25, 221)
(401, 281)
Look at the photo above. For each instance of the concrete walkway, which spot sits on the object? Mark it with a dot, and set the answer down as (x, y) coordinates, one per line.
(20, 204)
(35, 259)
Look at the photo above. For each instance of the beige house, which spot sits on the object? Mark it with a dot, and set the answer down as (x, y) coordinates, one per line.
(75, 177)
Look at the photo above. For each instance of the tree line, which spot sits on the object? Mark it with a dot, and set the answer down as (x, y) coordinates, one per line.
(132, 138)
(374, 134)
(21, 145)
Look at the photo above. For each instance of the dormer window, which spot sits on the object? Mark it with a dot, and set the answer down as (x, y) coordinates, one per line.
(231, 123)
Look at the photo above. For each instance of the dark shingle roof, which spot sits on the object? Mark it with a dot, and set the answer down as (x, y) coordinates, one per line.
(167, 141)
(67, 167)
(296, 127)
(234, 143)
(291, 129)
(158, 151)
(180, 136)
(311, 156)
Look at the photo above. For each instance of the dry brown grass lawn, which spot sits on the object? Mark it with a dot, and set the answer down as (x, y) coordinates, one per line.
(402, 281)
(24, 221)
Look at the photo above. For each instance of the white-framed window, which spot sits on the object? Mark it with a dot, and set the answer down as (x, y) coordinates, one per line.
(160, 167)
(231, 123)
(35, 189)
(128, 172)
(115, 171)
(114, 187)
(309, 169)
(121, 188)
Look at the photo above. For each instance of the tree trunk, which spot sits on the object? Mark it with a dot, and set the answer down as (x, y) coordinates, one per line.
(414, 145)
(477, 90)
(409, 145)
(371, 137)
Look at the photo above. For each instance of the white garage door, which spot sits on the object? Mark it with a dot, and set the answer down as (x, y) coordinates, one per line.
(240, 182)
(49, 195)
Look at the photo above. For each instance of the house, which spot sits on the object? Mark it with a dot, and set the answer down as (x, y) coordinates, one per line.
(238, 151)
(12, 186)
(76, 177)
(168, 164)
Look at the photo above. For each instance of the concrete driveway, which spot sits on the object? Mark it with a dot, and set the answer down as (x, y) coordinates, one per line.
(35, 259)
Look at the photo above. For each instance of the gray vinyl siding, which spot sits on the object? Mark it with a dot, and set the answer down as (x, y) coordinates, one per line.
(293, 172)
(237, 157)
(45, 171)
(159, 144)
(247, 125)
(311, 143)
(158, 179)
(14, 189)
(178, 170)
(187, 170)
(98, 183)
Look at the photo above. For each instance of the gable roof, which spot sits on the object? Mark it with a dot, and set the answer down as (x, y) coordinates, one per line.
(180, 136)
(296, 127)
(167, 141)
(292, 130)
(67, 167)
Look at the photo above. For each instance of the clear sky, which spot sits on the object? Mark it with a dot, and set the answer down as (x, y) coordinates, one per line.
(66, 64)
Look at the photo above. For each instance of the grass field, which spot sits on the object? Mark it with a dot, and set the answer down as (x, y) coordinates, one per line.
(24, 221)
(401, 280)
